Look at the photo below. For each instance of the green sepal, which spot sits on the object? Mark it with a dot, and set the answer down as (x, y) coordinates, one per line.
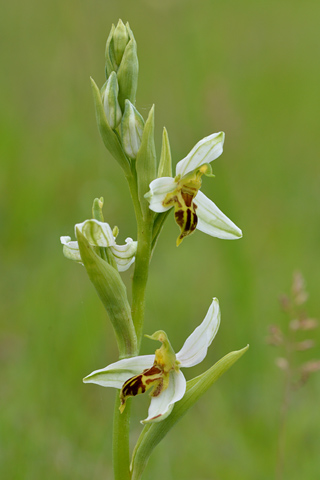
(120, 40)
(153, 433)
(146, 162)
(128, 74)
(111, 64)
(165, 164)
(109, 138)
(112, 292)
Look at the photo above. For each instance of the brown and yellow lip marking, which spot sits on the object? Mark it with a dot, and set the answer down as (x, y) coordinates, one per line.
(151, 377)
(182, 199)
(157, 376)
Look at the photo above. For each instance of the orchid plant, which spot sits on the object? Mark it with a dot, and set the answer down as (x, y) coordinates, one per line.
(154, 191)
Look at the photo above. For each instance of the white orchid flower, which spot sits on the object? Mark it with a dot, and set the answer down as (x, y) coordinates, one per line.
(192, 209)
(99, 234)
(161, 371)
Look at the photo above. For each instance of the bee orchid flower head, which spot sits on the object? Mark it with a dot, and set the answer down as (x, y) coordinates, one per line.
(100, 235)
(192, 209)
(160, 372)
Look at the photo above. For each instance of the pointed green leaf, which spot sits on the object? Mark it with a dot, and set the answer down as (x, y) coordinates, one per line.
(112, 293)
(146, 161)
(109, 138)
(153, 433)
(165, 164)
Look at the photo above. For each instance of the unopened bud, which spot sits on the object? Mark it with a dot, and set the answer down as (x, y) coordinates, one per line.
(109, 97)
(120, 40)
(132, 126)
(115, 231)
(97, 209)
(121, 57)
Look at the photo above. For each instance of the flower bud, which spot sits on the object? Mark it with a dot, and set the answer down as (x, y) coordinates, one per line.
(109, 98)
(120, 40)
(128, 72)
(121, 57)
(132, 126)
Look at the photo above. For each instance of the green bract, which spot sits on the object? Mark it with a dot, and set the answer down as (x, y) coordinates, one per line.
(153, 433)
(112, 293)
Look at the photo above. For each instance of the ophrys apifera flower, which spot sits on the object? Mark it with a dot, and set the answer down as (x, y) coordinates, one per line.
(161, 371)
(192, 209)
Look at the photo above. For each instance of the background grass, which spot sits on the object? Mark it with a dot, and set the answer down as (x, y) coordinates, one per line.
(248, 68)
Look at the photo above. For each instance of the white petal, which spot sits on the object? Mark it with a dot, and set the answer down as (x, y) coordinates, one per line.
(125, 254)
(195, 347)
(97, 233)
(212, 221)
(117, 373)
(205, 151)
(65, 240)
(159, 188)
(71, 249)
(161, 406)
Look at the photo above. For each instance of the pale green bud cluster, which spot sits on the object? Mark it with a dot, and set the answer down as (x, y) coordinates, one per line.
(121, 72)
(122, 58)
(125, 133)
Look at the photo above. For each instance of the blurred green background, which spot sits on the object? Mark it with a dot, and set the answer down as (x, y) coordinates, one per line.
(249, 68)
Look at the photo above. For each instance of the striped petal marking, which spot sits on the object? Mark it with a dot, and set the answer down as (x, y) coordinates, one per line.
(182, 199)
(156, 376)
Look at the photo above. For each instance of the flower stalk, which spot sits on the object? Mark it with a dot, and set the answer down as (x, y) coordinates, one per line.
(129, 138)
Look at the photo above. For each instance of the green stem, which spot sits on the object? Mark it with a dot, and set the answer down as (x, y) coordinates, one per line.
(160, 218)
(140, 276)
(121, 453)
(121, 421)
(143, 255)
